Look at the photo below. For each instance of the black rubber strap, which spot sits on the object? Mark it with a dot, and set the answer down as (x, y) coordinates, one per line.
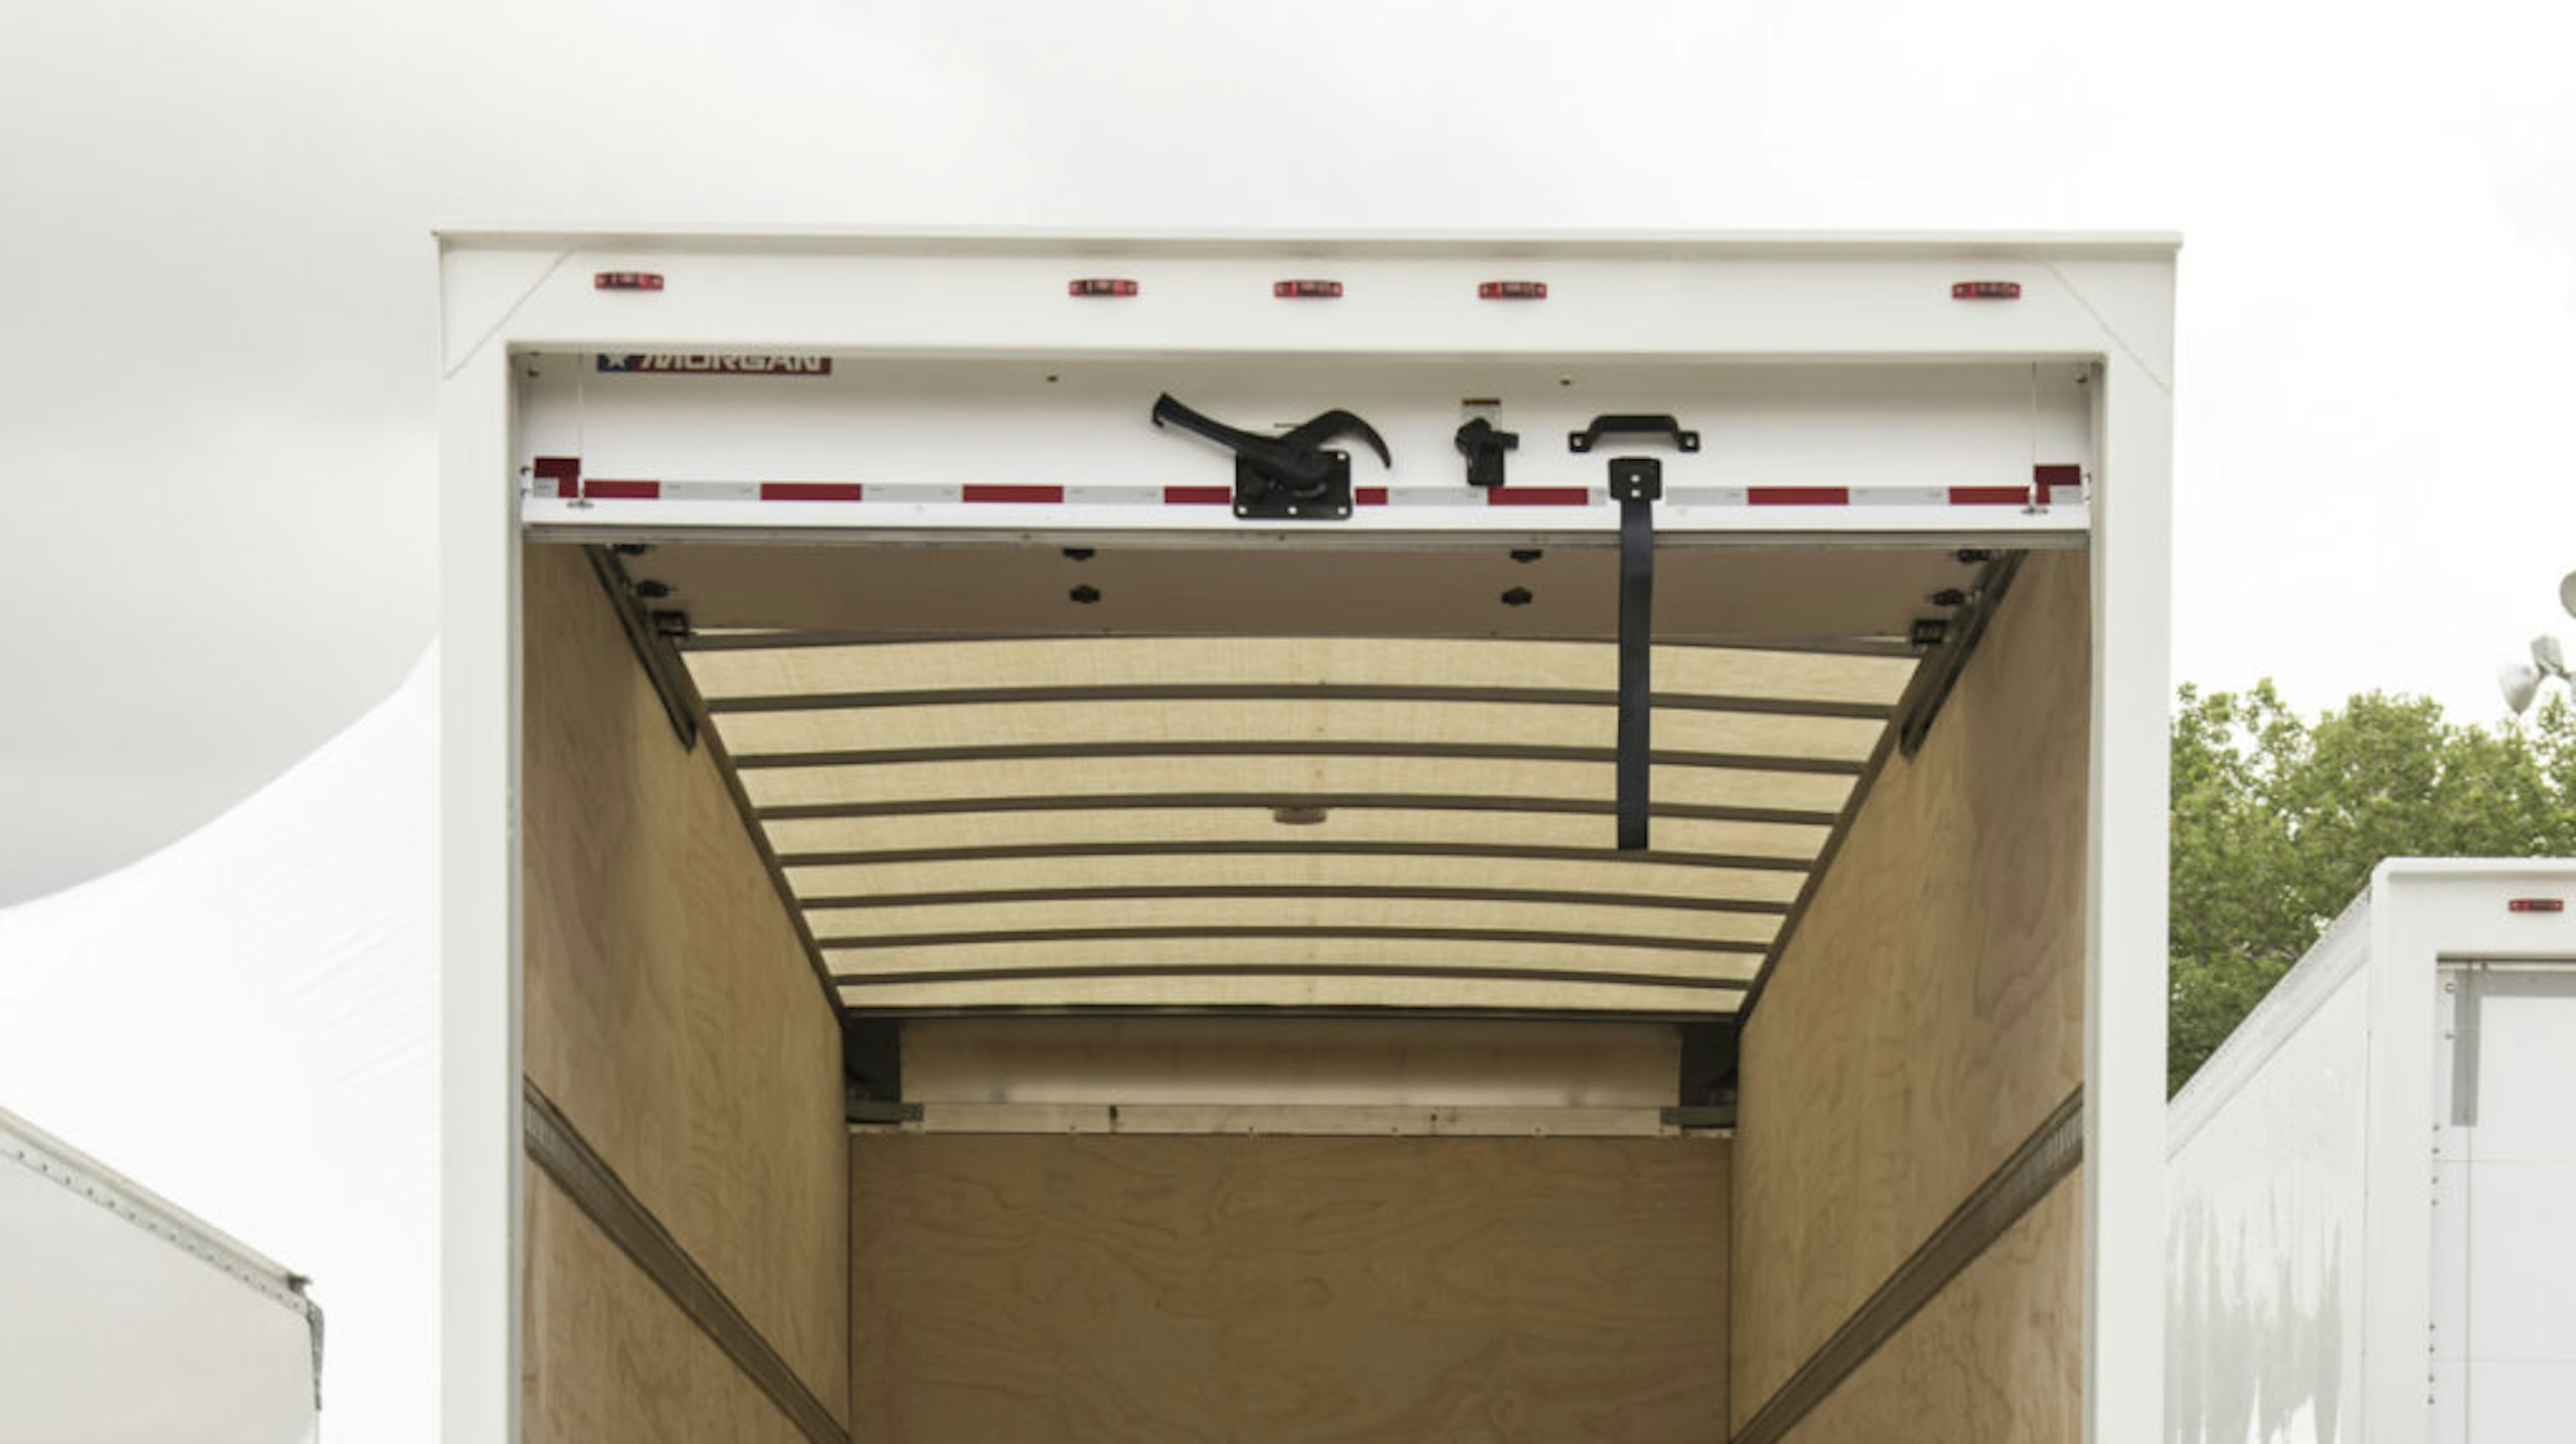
(1636, 665)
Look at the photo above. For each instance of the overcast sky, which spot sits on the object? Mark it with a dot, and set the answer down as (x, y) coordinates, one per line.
(217, 388)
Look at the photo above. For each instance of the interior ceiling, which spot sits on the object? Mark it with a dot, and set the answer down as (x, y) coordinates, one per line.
(1323, 778)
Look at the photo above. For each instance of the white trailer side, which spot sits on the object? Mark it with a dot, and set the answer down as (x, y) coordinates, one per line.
(125, 1320)
(2368, 1181)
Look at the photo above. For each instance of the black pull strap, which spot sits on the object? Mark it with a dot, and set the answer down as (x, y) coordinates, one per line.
(1636, 482)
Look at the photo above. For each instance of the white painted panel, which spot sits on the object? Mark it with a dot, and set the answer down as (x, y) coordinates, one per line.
(2264, 1262)
(2518, 1399)
(1338, 1063)
(2448, 1331)
(2522, 1274)
(1033, 420)
(111, 1335)
(2520, 1141)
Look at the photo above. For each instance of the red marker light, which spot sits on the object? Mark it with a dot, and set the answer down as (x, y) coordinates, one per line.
(1986, 291)
(1103, 286)
(626, 281)
(1306, 290)
(2537, 905)
(1512, 291)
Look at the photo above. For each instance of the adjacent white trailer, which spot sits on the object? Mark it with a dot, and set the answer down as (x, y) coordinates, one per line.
(124, 1320)
(1302, 837)
(2370, 1182)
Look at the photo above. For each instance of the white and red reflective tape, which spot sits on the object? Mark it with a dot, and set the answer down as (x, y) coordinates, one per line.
(560, 477)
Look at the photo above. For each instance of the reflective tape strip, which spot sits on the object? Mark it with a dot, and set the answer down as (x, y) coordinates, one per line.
(557, 476)
(560, 477)
(812, 491)
(2046, 480)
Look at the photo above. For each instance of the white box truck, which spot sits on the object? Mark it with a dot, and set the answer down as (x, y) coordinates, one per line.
(2372, 1177)
(123, 1320)
(1297, 837)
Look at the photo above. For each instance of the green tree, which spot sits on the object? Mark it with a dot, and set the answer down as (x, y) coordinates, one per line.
(2277, 823)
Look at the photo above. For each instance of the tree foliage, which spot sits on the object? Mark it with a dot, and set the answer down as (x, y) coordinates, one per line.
(2277, 823)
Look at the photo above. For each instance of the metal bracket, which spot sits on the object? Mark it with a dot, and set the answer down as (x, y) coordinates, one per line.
(1694, 1119)
(1262, 496)
(1636, 478)
(651, 631)
(1632, 424)
(1708, 1065)
(873, 1113)
(871, 1059)
(1948, 644)
(1289, 477)
(1484, 445)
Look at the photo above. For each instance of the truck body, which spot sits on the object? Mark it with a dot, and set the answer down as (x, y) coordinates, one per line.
(2371, 1177)
(1282, 837)
(128, 1321)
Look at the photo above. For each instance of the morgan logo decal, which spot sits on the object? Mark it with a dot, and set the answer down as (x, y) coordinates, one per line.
(673, 364)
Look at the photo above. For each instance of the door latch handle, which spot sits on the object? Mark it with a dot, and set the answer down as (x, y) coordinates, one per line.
(1293, 475)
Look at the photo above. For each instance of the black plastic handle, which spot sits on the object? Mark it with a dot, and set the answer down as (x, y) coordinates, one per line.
(1273, 454)
(1632, 425)
(1297, 456)
(1335, 424)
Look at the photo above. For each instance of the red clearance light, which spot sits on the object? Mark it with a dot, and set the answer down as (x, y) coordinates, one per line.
(1306, 290)
(1986, 291)
(2537, 905)
(1103, 286)
(1512, 291)
(626, 281)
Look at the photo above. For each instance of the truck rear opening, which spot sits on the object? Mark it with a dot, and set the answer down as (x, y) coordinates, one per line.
(1041, 862)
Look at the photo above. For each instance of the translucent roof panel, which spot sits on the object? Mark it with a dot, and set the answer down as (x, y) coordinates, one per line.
(1467, 722)
(1213, 909)
(1355, 661)
(894, 784)
(1297, 991)
(1286, 863)
(1495, 822)
(1327, 821)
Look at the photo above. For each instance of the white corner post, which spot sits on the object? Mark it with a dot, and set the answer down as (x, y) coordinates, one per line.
(2125, 951)
(478, 996)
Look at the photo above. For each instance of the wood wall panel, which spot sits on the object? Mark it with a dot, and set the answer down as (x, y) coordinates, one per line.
(609, 1356)
(1283, 1289)
(1996, 1358)
(671, 1013)
(1929, 1011)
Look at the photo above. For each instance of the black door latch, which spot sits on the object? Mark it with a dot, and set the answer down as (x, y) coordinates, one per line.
(1484, 445)
(1293, 476)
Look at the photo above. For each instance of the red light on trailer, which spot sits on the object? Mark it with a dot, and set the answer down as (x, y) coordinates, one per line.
(2537, 905)
(1986, 291)
(1306, 290)
(626, 281)
(1103, 286)
(1512, 291)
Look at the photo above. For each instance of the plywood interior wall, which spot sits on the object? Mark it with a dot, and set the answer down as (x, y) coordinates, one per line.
(608, 1356)
(1927, 1015)
(1995, 1359)
(1280, 1289)
(671, 1014)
